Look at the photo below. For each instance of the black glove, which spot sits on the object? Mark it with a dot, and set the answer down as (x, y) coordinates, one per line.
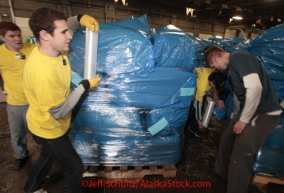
(85, 83)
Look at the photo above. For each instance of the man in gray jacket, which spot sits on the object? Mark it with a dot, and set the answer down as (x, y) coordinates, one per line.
(259, 115)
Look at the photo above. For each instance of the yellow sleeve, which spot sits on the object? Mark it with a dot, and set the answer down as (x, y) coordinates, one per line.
(202, 85)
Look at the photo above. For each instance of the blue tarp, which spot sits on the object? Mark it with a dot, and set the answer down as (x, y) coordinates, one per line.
(120, 50)
(270, 157)
(119, 135)
(174, 48)
(145, 78)
(163, 87)
(114, 122)
(139, 24)
(268, 47)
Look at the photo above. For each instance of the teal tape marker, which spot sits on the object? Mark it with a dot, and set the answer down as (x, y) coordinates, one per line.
(76, 79)
(160, 125)
(187, 91)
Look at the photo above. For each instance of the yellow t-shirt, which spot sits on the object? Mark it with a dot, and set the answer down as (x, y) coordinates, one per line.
(12, 73)
(202, 84)
(46, 83)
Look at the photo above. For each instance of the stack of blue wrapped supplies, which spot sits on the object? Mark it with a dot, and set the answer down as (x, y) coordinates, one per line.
(136, 116)
(270, 157)
(269, 48)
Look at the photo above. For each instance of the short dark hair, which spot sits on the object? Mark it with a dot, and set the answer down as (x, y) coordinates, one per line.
(218, 78)
(7, 26)
(43, 19)
(210, 52)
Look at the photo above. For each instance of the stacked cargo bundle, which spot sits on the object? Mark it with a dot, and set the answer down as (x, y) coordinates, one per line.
(270, 157)
(174, 48)
(268, 47)
(136, 116)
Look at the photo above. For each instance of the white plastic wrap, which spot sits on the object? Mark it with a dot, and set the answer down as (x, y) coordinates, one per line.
(208, 113)
(91, 53)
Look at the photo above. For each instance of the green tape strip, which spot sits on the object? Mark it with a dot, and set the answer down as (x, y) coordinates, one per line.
(160, 125)
(76, 79)
(187, 91)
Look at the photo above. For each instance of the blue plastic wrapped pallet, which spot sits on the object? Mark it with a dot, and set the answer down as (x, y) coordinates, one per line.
(119, 135)
(139, 24)
(120, 50)
(174, 48)
(137, 114)
(268, 47)
(270, 157)
(278, 86)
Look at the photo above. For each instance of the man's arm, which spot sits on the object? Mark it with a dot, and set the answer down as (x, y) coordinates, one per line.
(75, 22)
(64, 108)
(253, 94)
(222, 94)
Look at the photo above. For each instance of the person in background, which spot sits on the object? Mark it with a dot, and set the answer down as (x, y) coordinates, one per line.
(217, 81)
(193, 124)
(206, 82)
(46, 83)
(13, 55)
(203, 89)
(259, 115)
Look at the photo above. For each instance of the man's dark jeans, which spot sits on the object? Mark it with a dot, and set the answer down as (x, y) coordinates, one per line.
(61, 151)
(236, 153)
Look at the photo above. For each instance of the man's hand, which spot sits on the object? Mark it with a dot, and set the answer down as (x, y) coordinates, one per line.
(91, 83)
(200, 124)
(208, 98)
(89, 22)
(94, 82)
(239, 127)
(220, 104)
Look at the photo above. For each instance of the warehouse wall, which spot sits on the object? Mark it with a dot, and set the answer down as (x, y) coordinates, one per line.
(106, 12)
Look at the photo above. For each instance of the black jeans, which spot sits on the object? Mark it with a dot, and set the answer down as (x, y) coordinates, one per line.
(61, 151)
(191, 120)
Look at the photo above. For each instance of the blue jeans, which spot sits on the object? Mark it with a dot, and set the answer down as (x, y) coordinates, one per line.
(61, 151)
(18, 125)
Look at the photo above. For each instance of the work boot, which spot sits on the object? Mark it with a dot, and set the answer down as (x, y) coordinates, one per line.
(19, 163)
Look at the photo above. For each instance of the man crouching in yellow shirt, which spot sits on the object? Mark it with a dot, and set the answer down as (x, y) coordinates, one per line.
(46, 81)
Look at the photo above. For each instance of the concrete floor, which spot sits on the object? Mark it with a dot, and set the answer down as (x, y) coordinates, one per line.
(198, 154)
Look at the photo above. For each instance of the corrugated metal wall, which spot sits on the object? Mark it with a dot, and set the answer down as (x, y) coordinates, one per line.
(105, 11)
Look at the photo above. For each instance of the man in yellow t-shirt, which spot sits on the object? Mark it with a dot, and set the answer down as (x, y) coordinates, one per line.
(202, 89)
(46, 81)
(207, 80)
(13, 55)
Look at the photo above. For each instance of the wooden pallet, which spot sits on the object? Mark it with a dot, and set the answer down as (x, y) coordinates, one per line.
(265, 179)
(138, 172)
